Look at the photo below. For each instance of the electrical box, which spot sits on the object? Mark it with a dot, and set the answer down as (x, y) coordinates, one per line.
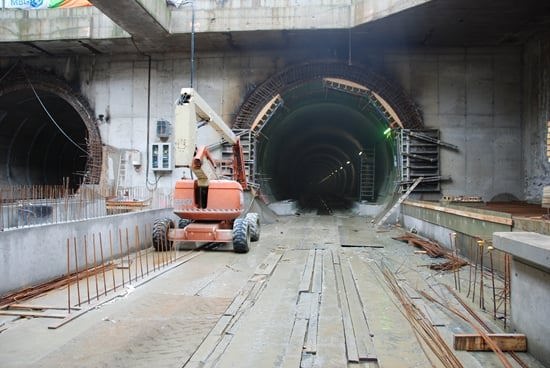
(163, 129)
(135, 156)
(161, 156)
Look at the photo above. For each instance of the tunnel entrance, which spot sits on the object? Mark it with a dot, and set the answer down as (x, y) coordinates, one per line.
(47, 132)
(323, 135)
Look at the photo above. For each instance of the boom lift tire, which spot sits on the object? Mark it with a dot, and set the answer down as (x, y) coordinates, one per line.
(241, 236)
(254, 226)
(160, 234)
(182, 223)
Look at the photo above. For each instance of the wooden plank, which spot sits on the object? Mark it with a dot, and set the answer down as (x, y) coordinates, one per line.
(349, 336)
(219, 349)
(221, 325)
(295, 346)
(305, 283)
(36, 307)
(206, 348)
(239, 299)
(317, 279)
(30, 314)
(478, 216)
(362, 245)
(303, 308)
(475, 342)
(363, 340)
(330, 328)
(313, 325)
(269, 263)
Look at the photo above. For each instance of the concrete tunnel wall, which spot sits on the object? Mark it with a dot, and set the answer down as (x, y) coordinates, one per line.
(536, 97)
(473, 95)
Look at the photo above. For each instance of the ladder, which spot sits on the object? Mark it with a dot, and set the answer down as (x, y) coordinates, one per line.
(121, 178)
(225, 165)
(366, 190)
(399, 201)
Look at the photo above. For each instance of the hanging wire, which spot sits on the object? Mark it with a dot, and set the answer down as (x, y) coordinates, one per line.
(9, 71)
(50, 116)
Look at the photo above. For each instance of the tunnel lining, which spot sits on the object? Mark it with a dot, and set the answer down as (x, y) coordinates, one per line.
(403, 106)
(388, 106)
(17, 79)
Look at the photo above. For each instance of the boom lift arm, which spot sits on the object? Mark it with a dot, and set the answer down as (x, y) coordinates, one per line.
(191, 109)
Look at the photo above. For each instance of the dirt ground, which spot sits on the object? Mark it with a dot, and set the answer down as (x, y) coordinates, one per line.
(297, 299)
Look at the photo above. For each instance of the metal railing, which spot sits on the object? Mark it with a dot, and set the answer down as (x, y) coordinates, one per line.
(31, 205)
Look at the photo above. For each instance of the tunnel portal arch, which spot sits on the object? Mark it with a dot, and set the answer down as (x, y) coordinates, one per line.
(316, 124)
(36, 151)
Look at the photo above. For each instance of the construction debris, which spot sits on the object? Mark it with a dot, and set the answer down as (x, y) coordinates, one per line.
(421, 324)
(434, 250)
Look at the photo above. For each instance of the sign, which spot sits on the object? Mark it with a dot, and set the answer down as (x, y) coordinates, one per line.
(44, 4)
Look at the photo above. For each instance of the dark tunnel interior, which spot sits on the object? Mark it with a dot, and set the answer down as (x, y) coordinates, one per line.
(325, 147)
(34, 149)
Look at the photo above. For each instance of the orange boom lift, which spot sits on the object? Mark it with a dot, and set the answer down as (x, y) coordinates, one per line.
(210, 208)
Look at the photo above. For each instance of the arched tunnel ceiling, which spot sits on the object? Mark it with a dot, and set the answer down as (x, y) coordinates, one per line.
(316, 145)
(46, 132)
(35, 150)
(316, 133)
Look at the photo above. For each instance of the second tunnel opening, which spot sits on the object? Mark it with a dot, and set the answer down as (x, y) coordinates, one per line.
(326, 148)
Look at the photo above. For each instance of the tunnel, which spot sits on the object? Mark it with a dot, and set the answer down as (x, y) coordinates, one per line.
(325, 135)
(47, 133)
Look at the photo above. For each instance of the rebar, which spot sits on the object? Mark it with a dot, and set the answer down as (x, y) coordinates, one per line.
(76, 271)
(95, 264)
(68, 274)
(102, 263)
(86, 269)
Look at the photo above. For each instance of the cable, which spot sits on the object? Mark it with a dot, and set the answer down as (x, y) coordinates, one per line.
(9, 71)
(51, 118)
(157, 178)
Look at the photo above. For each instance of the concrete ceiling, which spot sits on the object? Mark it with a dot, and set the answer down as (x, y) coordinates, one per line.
(437, 23)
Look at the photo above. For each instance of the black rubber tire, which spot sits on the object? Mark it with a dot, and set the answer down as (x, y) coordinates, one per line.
(182, 223)
(253, 226)
(160, 234)
(241, 236)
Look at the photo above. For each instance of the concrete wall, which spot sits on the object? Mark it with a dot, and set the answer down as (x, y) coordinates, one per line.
(473, 96)
(536, 99)
(30, 257)
(530, 296)
(530, 287)
(211, 16)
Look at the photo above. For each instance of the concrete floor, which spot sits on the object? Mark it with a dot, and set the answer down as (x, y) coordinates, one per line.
(296, 299)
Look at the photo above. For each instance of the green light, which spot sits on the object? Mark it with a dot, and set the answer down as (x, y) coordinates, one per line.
(387, 132)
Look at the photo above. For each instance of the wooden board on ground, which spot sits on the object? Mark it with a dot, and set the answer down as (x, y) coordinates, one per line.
(310, 345)
(349, 336)
(363, 339)
(293, 354)
(475, 342)
(35, 307)
(31, 314)
(362, 245)
(268, 264)
(305, 283)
